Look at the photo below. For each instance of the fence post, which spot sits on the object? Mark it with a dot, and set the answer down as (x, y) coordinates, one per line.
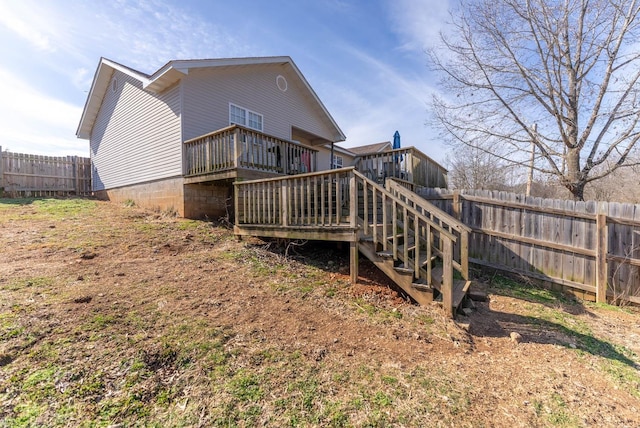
(1, 174)
(457, 205)
(601, 256)
(76, 176)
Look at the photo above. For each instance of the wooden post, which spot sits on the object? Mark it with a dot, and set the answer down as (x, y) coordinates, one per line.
(353, 260)
(284, 204)
(237, 152)
(457, 205)
(464, 253)
(601, 257)
(236, 203)
(447, 277)
(1, 174)
(76, 179)
(353, 202)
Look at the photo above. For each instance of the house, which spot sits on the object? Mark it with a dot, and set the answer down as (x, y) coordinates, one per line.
(250, 135)
(137, 124)
(178, 138)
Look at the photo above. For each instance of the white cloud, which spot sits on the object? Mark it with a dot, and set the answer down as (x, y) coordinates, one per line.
(418, 23)
(32, 122)
(36, 28)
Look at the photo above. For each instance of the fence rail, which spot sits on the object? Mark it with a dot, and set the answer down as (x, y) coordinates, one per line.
(590, 247)
(35, 175)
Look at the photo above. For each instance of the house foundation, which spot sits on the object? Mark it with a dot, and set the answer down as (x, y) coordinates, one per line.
(162, 195)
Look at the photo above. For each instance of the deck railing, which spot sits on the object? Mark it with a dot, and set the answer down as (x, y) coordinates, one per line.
(440, 217)
(316, 199)
(408, 164)
(239, 147)
(345, 198)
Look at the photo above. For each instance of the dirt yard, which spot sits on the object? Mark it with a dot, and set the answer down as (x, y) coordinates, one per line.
(111, 315)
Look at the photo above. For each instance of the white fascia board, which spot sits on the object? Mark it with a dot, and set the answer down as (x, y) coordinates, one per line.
(99, 87)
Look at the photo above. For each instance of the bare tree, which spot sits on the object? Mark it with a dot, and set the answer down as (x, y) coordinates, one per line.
(472, 168)
(561, 74)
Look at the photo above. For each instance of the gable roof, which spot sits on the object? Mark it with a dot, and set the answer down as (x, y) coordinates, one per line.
(371, 148)
(169, 74)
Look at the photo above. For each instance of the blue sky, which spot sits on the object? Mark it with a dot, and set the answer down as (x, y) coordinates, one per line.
(365, 59)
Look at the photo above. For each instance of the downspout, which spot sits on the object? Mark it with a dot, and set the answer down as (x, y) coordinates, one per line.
(331, 165)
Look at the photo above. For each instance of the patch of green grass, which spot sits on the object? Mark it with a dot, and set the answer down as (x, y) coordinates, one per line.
(245, 386)
(100, 321)
(558, 414)
(375, 312)
(57, 209)
(25, 415)
(529, 293)
(37, 283)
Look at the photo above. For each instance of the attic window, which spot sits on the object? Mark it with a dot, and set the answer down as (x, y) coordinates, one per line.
(282, 83)
(114, 84)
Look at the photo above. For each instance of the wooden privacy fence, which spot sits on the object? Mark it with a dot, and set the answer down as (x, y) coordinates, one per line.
(591, 247)
(35, 175)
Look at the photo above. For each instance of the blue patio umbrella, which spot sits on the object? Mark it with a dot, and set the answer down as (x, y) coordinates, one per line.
(396, 145)
(396, 140)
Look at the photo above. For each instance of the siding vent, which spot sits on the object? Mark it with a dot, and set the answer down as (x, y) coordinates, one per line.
(282, 83)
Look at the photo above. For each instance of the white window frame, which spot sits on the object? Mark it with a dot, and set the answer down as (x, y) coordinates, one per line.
(251, 119)
(338, 161)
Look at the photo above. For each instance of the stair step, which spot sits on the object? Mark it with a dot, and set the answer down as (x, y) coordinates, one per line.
(460, 288)
(421, 285)
(403, 270)
(385, 254)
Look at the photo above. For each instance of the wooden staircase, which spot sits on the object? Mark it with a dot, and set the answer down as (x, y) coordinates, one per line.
(421, 248)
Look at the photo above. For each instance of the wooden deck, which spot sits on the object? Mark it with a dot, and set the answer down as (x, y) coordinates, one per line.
(418, 246)
(239, 152)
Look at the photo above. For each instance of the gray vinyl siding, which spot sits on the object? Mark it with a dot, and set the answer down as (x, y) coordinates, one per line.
(137, 136)
(208, 92)
(324, 158)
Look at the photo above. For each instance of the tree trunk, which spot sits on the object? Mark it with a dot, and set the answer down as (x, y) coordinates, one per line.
(573, 180)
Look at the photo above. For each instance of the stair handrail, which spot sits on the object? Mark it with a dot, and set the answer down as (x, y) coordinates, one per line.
(451, 222)
(402, 203)
(446, 251)
(395, 187)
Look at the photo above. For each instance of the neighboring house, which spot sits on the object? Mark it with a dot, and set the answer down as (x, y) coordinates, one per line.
(177, 139)
(372, 148)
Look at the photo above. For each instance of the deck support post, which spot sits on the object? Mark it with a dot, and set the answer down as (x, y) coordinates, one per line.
(353, 261)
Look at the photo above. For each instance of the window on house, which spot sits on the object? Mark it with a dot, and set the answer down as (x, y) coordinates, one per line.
(338, 161)
(242, 116)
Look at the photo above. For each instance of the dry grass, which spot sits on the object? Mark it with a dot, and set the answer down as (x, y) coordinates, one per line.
(114, 315)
